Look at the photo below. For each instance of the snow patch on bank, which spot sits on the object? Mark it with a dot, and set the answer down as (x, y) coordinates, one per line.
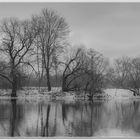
(56, 94)
(119, 94)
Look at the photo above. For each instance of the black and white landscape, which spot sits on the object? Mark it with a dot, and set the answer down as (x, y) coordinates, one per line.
(70, 70)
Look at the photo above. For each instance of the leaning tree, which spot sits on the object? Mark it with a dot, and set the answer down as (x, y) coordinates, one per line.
(73, 69)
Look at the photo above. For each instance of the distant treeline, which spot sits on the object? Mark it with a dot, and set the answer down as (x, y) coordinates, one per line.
(32, 82)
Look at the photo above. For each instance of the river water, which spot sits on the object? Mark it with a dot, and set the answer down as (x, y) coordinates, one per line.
(108, 118)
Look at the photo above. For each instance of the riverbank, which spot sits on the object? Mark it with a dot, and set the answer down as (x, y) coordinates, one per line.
(56, 94)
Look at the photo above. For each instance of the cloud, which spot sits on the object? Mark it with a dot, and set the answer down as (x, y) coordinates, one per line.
(112, 28)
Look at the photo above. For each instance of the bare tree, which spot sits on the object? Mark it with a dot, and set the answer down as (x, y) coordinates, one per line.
(72, 70)
(56, 62)
(95, 70)
(17, 39)
(126, 74)
(118, 74)
(52, 38)
(133, 81)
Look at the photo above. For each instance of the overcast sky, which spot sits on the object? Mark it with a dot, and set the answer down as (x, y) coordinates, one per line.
(112, 29)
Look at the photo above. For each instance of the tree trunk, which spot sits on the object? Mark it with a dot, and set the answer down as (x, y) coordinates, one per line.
(14, 88)
(64, 88)
(134, 93)
(13, 118)
(47, 71)
(90, 97)
(48, 79)
(56, 77)
(86, 88)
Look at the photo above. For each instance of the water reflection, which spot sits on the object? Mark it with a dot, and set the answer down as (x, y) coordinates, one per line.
(98, 118)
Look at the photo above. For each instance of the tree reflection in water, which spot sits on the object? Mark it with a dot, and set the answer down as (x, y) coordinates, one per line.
(15, 117)
(69, 119)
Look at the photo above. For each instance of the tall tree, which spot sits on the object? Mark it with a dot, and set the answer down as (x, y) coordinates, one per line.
(52, 38)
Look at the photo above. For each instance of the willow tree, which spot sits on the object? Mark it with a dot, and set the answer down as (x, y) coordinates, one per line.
(52, 38)
(17, 38)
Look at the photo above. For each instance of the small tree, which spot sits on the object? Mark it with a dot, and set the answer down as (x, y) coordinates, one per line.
(133, 79)
(126, 74)
(84, 70)
(95, 71)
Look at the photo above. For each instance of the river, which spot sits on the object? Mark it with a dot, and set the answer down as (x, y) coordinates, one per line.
(100, 118)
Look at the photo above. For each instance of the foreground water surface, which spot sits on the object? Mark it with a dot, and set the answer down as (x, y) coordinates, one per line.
(75, 119)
